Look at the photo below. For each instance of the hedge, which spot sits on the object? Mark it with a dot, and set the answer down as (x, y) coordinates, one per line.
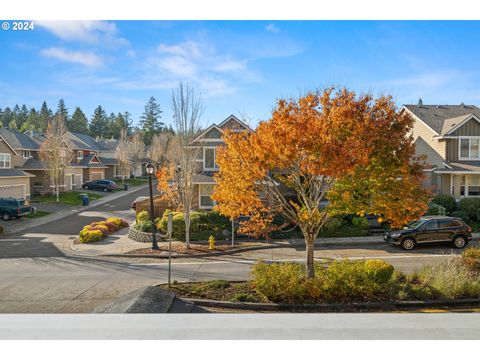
(98, 230)
(205, 221)
(340, 281)
(447, 201)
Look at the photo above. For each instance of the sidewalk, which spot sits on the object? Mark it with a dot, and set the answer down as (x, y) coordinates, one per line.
(120, 245)
(19, 225)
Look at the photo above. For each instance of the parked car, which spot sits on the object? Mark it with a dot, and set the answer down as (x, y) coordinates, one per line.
(431, 229)
(137, 200)
(13, 208)
(102, 185)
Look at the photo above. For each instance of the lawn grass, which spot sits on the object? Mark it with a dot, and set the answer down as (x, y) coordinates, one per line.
(38, 214)
(67, 198)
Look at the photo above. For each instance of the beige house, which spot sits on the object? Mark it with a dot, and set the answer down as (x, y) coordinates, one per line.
(208, 141)
(449, 135)
(14, 152)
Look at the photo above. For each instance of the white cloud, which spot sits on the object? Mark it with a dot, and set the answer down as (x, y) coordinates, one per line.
(87, 31)
(272, 28)
(200, 64)
(79, 57)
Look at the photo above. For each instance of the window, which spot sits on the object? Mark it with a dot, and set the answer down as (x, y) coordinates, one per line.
(473, 185)
(431, 225)
(80, 154)
(462, 185)
(448, 224)
(209, 159)
(470, 148)
(205, 195)
(26, 154)
(5, 161)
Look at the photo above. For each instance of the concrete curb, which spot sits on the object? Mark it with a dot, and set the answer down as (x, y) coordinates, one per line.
(351, 307)
(63, 214)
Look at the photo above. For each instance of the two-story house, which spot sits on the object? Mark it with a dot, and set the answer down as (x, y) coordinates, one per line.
(15, 149)
(207, 142)
(449, 136)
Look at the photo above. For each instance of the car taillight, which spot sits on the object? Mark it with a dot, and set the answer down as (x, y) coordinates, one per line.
(18, 210)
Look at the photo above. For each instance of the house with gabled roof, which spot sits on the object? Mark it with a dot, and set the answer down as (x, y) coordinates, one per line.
(208, 142)
(15, 149)
(449, 137)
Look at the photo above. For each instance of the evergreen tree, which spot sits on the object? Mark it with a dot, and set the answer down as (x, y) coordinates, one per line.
(45, 114)
(121, 121)
(33, 122)
(99, 125)
(62, 109)
(78, 122)
(19, 116)
(150, 120)
(7, 116)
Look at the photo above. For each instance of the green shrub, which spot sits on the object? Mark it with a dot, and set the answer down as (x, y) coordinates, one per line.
(461, 214)
(451, 279)
(379, 270)
(470, 206)
(142, 216)
(340, 281)
(145, 226)
(206, 221)
(242, 297)
(435, 209)
(87, 236)
(360, 222)
(447, 201)
(333, 224)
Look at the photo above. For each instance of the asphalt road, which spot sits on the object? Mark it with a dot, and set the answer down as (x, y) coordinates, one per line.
(37, 274)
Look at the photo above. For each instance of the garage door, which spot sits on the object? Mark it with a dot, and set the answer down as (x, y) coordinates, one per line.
(96, 176)
(14, 191)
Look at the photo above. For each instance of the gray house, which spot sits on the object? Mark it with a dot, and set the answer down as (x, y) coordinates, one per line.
(449, 135)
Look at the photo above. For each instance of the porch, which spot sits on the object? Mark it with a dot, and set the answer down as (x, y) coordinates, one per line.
(460, 185)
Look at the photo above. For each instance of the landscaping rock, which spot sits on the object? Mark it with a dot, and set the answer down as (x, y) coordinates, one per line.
(150, 299)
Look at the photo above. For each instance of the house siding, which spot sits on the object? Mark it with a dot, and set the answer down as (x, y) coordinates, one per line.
(470, 128)
(452, 149)
(434, 150)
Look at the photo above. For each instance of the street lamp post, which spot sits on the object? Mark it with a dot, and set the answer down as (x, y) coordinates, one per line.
(149, 167)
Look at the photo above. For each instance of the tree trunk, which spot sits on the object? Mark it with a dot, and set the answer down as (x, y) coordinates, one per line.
(187, 229)
(310, 244)
(57, 191)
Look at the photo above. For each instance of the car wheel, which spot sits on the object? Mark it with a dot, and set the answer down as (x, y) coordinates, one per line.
(459, 242)
(85, 187)
(408, 244)
(105, 190)
(6, 216)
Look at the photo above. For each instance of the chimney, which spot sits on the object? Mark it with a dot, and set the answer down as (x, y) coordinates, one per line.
(420, 102)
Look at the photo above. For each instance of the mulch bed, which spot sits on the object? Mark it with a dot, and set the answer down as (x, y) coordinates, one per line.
(194, 249)
(215, 290)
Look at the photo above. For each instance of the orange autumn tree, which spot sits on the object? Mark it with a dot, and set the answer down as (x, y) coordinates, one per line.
(353, 150)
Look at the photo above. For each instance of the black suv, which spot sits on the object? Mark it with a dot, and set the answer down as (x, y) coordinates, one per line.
(103, 185)
(431, 229)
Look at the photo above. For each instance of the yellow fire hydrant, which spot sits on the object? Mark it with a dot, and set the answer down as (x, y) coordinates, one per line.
(211, 242)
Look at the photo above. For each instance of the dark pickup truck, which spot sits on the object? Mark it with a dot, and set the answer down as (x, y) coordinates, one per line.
(13, 208)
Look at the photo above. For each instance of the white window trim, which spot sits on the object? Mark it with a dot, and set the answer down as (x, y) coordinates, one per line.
(214, 158)
(200, 206)
(79, 152)
(9, 156)
(469, 146)
(26, 152)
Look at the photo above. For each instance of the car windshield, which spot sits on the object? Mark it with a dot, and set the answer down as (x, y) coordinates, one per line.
(416, 224)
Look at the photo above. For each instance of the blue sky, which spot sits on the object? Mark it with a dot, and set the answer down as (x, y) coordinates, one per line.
(240, 67)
